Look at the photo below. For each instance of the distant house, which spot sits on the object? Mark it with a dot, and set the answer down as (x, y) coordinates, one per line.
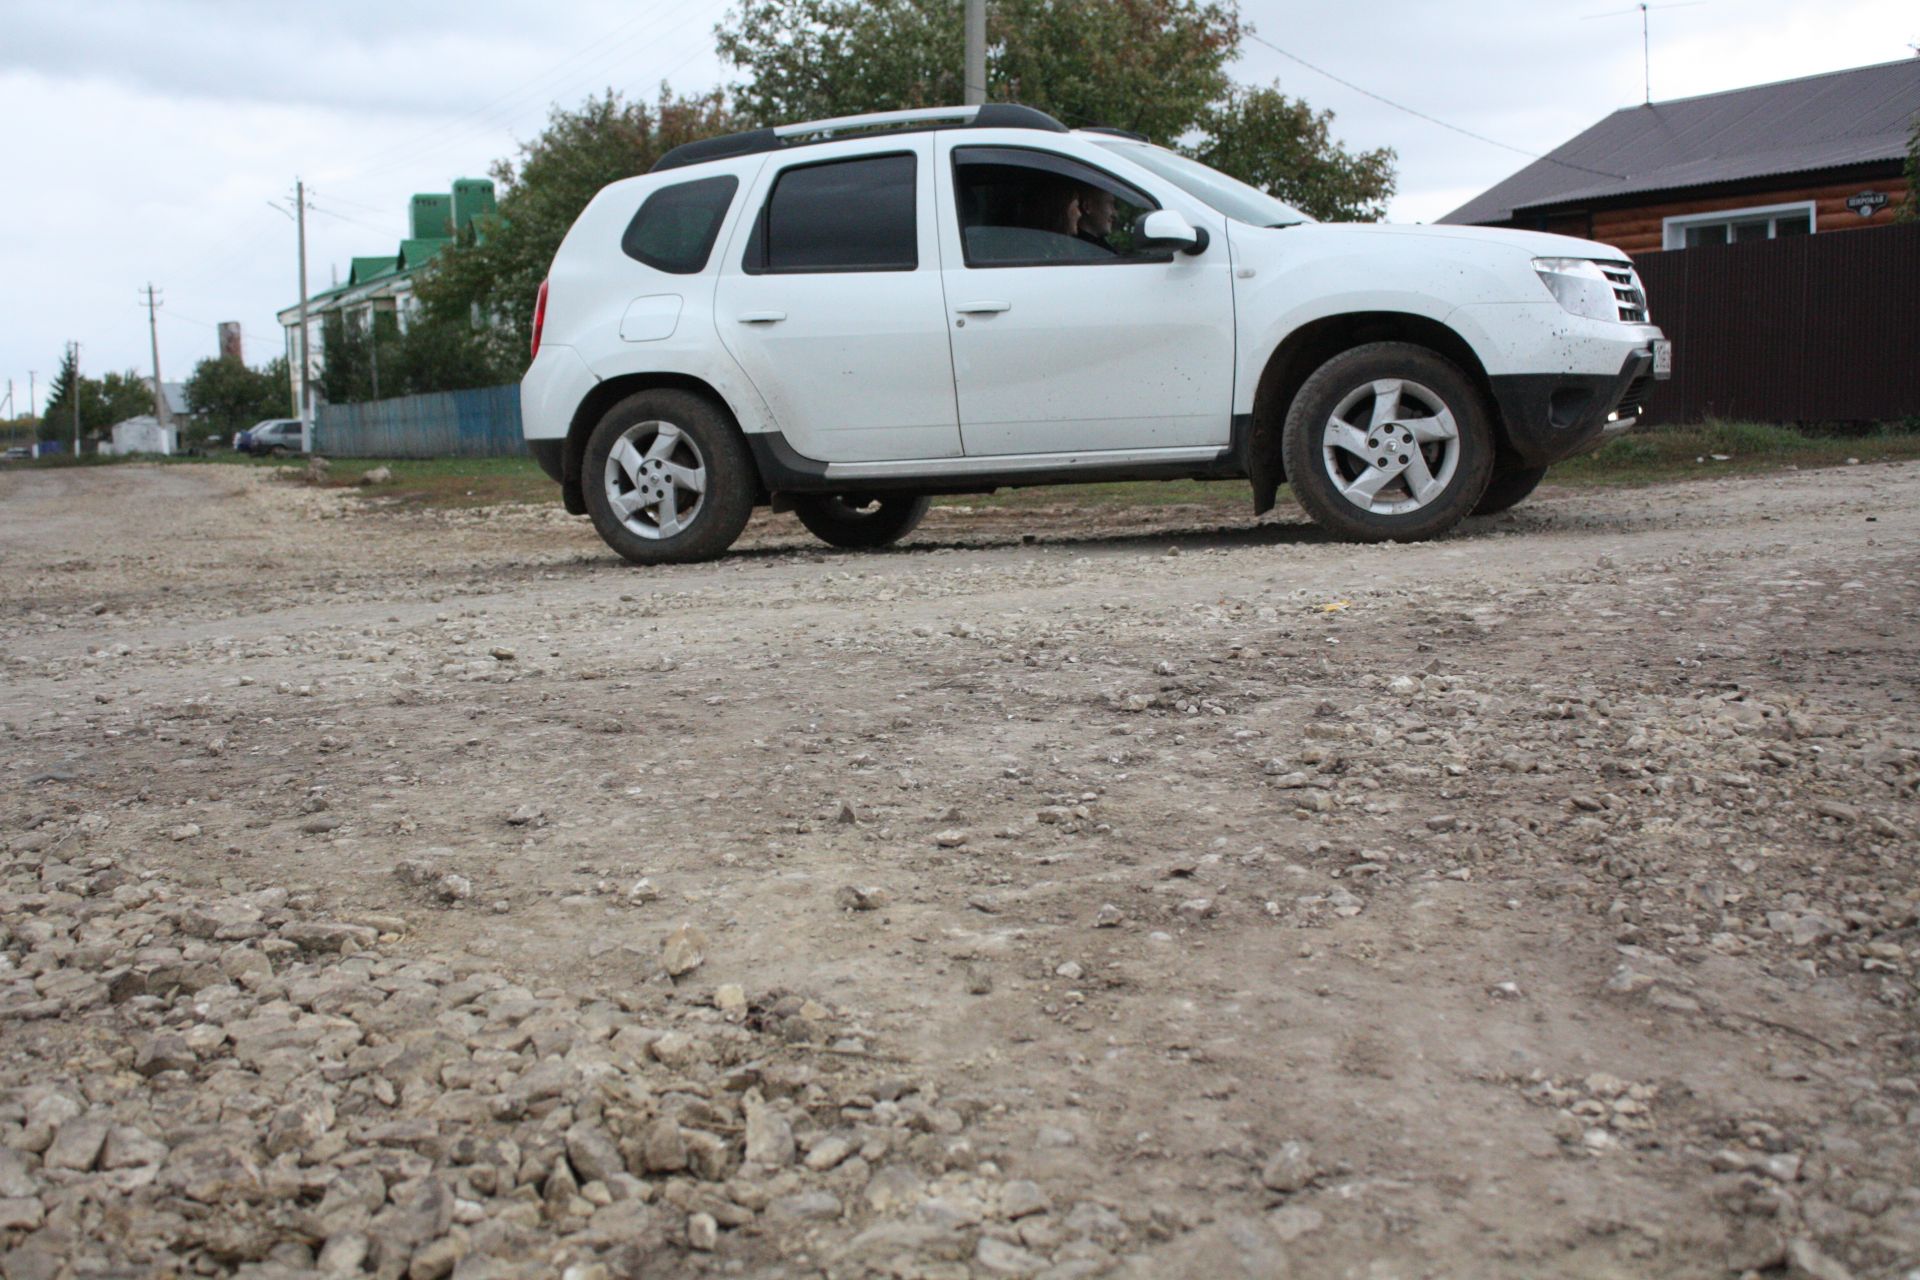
(383, 284)
(1802, 157)
(179, 411)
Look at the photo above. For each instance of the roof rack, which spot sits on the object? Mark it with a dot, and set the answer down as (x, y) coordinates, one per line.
(992, 115)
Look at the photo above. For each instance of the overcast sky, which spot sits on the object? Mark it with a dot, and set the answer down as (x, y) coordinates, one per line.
(143, 139)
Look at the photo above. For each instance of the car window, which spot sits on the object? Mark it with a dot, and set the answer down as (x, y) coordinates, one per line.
(844, 215)
(675, 227)
(1227, 195)
(1023, 208)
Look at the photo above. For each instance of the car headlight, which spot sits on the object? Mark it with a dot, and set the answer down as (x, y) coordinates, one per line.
(1580, 286)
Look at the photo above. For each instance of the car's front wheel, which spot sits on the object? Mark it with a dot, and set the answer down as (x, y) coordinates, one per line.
(1388, 441)
(667, 478)
(860, 521)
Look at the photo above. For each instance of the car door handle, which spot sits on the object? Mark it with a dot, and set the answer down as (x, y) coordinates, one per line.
(762, 317)
(978, 308)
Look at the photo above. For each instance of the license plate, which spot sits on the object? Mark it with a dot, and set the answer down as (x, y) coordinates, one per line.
(1662, 359)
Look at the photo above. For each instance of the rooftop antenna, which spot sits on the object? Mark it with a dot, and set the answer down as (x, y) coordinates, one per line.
(1646, 58)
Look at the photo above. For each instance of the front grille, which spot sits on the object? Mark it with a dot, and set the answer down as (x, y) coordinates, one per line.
(1632, 299)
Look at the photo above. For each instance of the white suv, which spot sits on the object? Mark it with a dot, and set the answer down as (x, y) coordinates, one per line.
(844, 317)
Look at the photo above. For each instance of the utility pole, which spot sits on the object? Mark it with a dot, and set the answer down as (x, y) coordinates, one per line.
(306, 391)
(976, 69)
(75, 393)
(153, 332)
(32, 395)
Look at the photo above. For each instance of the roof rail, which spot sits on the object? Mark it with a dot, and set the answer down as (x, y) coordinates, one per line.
(1128, 134)
(992, 115)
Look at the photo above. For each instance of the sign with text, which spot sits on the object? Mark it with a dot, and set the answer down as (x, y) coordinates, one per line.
(1867, 203)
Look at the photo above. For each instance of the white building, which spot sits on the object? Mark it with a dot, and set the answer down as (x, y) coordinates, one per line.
(143, 434)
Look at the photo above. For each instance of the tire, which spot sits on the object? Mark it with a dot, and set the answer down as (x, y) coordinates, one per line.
(1509, 486)
(861, 522)
(1434, 425)
(683, 487)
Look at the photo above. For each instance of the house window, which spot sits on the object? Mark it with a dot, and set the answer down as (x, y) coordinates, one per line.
(1738, 226)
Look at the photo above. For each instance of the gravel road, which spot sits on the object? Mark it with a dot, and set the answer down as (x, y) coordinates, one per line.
(1059, 894)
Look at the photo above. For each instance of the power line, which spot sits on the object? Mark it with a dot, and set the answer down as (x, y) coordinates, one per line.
(1478, 137)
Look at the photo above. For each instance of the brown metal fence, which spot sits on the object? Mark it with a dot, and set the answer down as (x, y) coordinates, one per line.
(1813, 329)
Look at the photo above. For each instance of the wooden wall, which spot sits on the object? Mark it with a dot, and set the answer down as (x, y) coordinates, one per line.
(1638, 230)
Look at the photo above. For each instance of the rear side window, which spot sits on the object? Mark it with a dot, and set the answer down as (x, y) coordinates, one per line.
(676, 226)
(846, 215)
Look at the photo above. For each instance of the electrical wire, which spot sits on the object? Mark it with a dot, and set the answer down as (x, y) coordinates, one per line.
(1478, 137)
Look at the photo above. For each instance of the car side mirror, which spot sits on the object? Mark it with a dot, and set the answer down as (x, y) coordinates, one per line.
(1165, 229)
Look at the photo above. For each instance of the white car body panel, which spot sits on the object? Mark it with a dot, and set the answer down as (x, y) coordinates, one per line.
(1088, 355)
(856, 367)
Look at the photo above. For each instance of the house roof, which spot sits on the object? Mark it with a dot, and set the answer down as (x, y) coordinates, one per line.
(418, 252)
(1795, 126)
(368, 269)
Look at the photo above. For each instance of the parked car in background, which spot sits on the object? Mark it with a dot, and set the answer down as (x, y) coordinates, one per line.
(275, 435)
(16, 453)
(845, 317)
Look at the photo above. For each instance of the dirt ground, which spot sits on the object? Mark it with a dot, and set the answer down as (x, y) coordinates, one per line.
(1540, 901)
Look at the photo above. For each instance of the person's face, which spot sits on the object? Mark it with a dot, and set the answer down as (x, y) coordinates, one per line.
(1071, 215)
(1096, 212)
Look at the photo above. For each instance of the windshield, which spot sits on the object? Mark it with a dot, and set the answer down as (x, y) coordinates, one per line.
(1230, 196)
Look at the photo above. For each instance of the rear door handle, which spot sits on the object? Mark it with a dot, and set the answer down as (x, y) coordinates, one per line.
(762, 317)
(977, 308)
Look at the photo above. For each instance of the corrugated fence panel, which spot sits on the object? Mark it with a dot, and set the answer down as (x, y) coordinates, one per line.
(482, 423)
(1819, 328)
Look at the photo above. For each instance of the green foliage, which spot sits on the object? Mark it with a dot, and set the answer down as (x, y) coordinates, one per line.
(103, 401)
(227, 395)
(1284, 147)
(494, 271)
(1157, 67)
(1146, 65)
(379, 363)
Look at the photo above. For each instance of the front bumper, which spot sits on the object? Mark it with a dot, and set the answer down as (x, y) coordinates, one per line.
(1550, 417)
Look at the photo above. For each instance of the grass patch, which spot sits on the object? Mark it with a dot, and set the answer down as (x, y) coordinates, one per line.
(446, 482)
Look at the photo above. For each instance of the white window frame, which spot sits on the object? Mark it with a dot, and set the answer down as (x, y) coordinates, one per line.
(1673, 231)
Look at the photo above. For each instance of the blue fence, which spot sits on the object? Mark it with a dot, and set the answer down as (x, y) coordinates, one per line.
(484, 423)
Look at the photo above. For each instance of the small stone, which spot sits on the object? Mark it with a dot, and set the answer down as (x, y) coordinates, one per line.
(526, 815)
(1109, 917)
(1071, 971)
(321, 824)
(664, 1147)
(20, 1213)
(999, 1258)
(979, 979)
(683, 950)
(855, 898)
(703, 1233)
(950, 839)
(1504, 991)
(1290, 1222)
(376, 475)
(1403, 686)
(453, 888)
(828, 1152)
(1021, 1198)
(769, 1136)
(730, 997)
(185, 831)
(501, 653)
(78, 1143)
(642, 891)
(1805, 1259)
(163, 1052)
(1290, 1169)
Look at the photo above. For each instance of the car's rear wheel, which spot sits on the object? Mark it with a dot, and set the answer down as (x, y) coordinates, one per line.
(1509, 486)
(667, 478)
(860, 521)
(1388, 441)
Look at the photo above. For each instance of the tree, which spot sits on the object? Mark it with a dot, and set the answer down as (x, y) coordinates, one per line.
(1152, 66)
(489, 277)
(227, 395)
(103, 401)
(1284, 147)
